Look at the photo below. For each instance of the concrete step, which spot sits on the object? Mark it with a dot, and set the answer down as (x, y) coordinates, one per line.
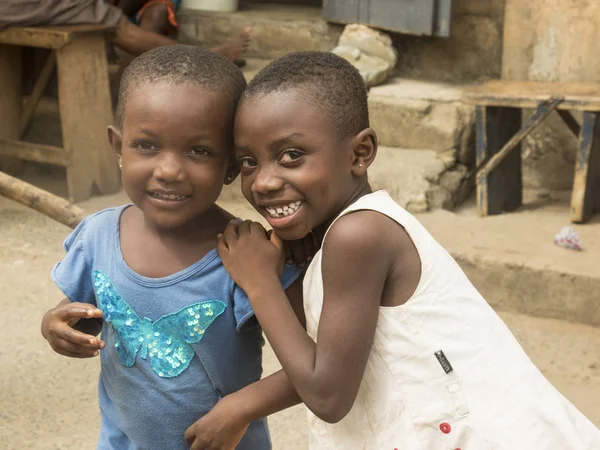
(276, 29)
(513, 261)
(422, 114)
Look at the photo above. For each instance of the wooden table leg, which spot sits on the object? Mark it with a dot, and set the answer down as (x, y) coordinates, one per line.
(585, 199)
(85, 112)
(10, 103)
(501, 190)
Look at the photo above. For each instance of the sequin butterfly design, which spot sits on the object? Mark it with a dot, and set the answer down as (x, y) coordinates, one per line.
(166, 341)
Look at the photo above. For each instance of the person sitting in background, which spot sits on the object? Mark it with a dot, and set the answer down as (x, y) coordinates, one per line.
(130, 38)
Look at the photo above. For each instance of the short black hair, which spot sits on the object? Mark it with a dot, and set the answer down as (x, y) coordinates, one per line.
(330, 80)
(178, 64)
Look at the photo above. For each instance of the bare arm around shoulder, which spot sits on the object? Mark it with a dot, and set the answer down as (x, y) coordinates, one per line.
(224, 426)
(359, 253)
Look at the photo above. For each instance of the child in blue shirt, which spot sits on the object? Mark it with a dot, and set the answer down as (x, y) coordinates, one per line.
(179, 338)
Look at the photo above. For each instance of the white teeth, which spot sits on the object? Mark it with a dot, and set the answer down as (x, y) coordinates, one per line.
(162, 196)
(284, 211)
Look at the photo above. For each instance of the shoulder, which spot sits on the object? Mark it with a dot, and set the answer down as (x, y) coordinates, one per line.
(366, 232)
(101, 218)
(95, 226)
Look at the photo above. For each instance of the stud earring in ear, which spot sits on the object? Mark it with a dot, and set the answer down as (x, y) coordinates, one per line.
(360, 165)
(120, 164)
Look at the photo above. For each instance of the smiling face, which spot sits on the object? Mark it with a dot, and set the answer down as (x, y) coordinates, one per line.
(295, 169)
(175, 150)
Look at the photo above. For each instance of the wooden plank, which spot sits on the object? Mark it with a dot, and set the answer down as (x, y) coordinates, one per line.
(85, 112)
(37, 91)
(10, 102)
(501, 190)
(570, 122)
(406, 16)
(529, 94)
(540, 115)
(35, 152)
(56, 208)
(50, 37)
(585, 199)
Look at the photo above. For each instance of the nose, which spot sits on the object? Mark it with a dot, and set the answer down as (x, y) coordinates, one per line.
(266, 180)
(169, 167)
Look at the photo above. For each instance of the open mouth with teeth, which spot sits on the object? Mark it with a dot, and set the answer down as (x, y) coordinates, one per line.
(283, 210)
(168, 196)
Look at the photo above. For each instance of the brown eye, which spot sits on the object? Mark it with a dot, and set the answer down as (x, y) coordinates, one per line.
(144, 146)
(199, 151)
(290, 156)
(247, 162)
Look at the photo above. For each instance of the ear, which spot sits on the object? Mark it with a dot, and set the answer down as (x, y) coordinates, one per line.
(115, 139)
(233, 170)
(364, 150)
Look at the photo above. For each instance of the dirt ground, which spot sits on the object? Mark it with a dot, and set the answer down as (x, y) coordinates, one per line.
(49, 402)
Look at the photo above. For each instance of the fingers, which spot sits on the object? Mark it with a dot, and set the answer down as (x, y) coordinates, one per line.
(189, 435)
(72, 312)
(230, 234)
(258, 230)
(310, 247)
(66, 340)
(222, 247)
(77, 353)
(277, 242)
(299, 254)
(78, 338)
(243, 228)
(289, 253)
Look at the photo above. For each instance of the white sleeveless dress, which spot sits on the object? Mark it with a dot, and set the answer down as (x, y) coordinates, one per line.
(482, 393)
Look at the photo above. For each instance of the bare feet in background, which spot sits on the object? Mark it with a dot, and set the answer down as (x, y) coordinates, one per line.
(236, 46)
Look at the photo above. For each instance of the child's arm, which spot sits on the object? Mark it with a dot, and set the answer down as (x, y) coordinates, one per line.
(71, 329)
(358, 255)
(224, 426)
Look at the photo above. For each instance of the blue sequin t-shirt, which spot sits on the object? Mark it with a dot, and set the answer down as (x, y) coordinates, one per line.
(174, 345)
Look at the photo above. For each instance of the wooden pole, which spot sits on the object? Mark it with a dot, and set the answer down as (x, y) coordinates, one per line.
(55, 207)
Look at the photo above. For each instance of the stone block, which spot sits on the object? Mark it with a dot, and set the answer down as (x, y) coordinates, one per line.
(418, 180)
(423, 115)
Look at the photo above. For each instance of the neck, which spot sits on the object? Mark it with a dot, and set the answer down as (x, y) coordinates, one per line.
(204, 226)
(360, 191)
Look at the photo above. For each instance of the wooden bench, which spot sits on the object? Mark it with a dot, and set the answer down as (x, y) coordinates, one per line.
(84, 104)
(499, 106)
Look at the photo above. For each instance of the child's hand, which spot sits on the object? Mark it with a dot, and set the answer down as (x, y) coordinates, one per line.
(300, 252)
(58, 329)
(249, 255)
(220, 429)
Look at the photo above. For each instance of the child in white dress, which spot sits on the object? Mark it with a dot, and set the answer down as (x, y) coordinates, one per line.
(400, 350)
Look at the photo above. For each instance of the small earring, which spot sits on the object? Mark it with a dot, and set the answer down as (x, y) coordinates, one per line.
(120, 164)
(360, 165)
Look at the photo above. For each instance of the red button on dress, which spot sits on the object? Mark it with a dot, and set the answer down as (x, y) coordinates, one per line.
(445, 427)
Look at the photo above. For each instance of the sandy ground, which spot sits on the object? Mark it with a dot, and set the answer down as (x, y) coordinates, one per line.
(49, 402)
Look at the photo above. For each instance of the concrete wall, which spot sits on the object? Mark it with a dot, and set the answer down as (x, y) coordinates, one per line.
(551, 40)
(472, 52)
